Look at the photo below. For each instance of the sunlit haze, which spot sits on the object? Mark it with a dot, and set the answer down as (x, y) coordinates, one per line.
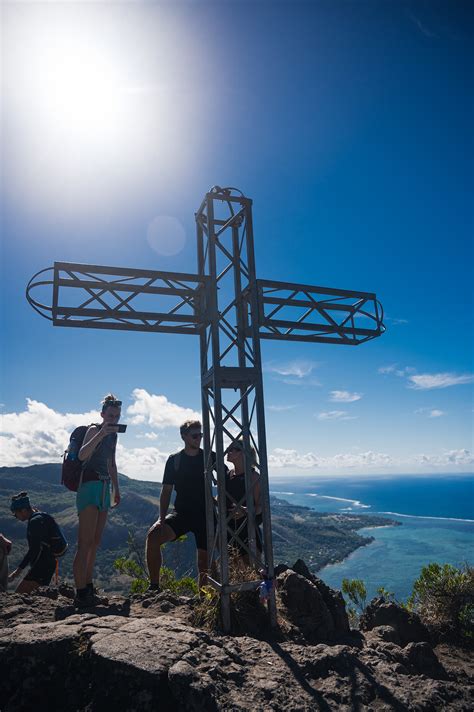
(87, 123)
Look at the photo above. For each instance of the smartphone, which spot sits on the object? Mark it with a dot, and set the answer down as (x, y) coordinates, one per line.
(121, 427)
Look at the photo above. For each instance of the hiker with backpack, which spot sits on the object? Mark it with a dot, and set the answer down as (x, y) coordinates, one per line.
(45, 544)
(184, 472)
(97, 471)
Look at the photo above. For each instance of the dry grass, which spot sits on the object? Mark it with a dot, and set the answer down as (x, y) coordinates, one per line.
(248, 615)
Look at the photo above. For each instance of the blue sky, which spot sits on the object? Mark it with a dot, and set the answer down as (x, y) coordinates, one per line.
(349, 124)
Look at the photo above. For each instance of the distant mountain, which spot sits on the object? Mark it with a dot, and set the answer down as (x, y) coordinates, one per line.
(299, 532)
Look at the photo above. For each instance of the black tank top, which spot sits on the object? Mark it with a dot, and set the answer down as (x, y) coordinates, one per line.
(235, 487)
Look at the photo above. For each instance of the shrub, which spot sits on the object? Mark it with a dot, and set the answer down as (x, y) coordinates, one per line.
(356, 592)
(386, 595)
(443, 596)
(133, 566)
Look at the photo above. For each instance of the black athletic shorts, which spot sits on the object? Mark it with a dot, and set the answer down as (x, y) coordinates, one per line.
(42, 570)
(182, 523)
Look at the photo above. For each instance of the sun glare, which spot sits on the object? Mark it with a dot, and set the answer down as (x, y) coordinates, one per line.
(79, 93)
(88, 118)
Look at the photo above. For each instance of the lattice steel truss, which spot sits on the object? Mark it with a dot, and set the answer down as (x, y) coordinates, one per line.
(231, 311)
(231, 377)
(297, 312)
(94, 297)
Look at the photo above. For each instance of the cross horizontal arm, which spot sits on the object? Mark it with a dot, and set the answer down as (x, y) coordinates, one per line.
(300, 312)
(101, 297)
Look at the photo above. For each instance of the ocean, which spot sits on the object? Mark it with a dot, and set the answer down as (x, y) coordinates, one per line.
(436, 512)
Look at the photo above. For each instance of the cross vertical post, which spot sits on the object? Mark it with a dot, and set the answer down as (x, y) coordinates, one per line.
(232, 392)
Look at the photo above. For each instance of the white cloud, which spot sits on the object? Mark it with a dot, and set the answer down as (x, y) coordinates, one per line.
(344, 396)
(387, 369)
(427, 381)
(146, 463)
(430, 412)
(458, 458)
(393, 368)
(282, 458)
(300, 381)
(370, 461)
(40, 434)
(291, 458)
(298, 368)
(422, 26)
(335, 415)
(280, 408)
(395, 321)
(158, 411)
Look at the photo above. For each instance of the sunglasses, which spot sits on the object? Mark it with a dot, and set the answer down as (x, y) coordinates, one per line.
(114, 404)
(234, 448)
(195, 436)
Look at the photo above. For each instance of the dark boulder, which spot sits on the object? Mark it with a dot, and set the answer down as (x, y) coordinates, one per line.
(316, 611)
(334, 600)
(408, 625)
(422, 659)
(386, 633)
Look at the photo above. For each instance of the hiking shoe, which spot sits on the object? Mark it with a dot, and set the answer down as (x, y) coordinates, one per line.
(153, 589)
(99, 600)
(85, 602)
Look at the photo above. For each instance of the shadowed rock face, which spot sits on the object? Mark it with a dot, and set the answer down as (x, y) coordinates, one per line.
(332, 600)
(144, 654)
(408, 627)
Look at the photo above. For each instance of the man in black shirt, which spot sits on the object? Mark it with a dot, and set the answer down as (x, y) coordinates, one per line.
(184, 472)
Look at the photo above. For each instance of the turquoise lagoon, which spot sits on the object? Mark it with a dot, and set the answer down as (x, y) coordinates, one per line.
(436, 513)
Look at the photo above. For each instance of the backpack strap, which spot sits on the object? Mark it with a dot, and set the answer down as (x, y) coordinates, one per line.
(177, 460)
(86, 462)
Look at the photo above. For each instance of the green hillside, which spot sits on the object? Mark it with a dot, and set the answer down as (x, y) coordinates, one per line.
(299, 532)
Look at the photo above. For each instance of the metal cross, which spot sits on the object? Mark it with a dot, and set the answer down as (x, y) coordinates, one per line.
(231, 311)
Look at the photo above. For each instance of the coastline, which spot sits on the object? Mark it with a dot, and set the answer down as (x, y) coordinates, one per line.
(320, 538)
(367, 542)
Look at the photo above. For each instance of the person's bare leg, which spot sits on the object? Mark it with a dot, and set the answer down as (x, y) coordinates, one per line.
(101, 521)
(85, 538)
(154, 541)
(27, 586)
(202, 567)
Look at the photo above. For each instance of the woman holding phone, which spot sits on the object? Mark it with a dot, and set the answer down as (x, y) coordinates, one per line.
(93, 496)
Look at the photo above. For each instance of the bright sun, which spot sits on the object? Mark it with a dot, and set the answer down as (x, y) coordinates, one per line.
(88, 118)
(79, 92)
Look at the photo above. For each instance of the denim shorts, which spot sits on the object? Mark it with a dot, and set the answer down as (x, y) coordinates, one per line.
(96, 493)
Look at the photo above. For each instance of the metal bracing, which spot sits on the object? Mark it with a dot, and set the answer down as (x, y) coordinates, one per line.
(92, 296)
(302, 313)
(231, 311)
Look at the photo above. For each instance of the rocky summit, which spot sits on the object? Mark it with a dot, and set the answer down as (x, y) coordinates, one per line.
(158, 652)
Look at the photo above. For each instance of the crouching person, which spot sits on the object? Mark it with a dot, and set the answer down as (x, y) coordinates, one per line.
(45, 544)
